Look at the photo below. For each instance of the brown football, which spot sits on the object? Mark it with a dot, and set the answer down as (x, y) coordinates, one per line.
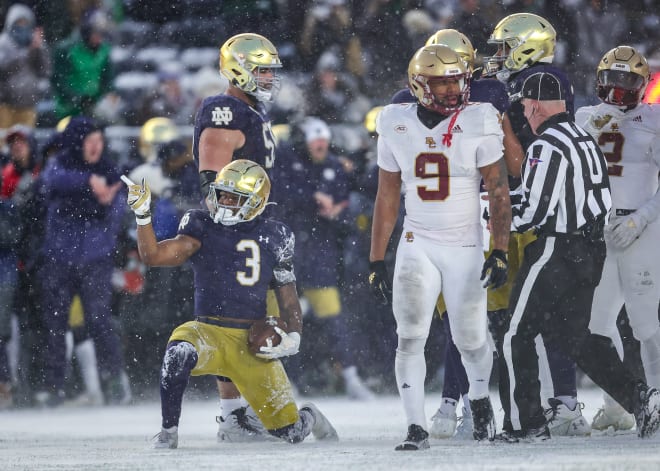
(263, 330)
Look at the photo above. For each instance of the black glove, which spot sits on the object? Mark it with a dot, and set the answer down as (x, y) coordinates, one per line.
(495, 269)
(379, 282)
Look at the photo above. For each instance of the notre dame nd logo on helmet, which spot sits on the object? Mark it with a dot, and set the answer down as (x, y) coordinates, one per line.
(221, 115)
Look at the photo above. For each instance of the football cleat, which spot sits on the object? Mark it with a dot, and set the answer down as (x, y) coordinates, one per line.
(563, 421)
(464, 429)
(647, 410)
(443, 425)
(483, 419)
(322, 428)
(166, 438)
(241, 425)
(617, 418)
(417, 439)
(534, 435)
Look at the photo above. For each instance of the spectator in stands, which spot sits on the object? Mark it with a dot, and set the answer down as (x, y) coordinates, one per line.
(328, 24)
(169, 99)
(600, 26)
(385, 43)
(471, 20)
(24, 67)
(17, 209)
(331, 92)
(82, 70)
(314, 191)
(80, 186)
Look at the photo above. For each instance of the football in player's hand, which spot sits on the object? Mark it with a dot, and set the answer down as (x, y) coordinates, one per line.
(262, 333)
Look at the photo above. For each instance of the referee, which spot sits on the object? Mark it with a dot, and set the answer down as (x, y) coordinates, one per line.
(566, 199)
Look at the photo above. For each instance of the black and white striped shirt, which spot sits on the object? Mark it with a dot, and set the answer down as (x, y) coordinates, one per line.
(565, 183)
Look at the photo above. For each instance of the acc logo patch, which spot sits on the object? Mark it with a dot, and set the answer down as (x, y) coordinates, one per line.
(431, 143)
(409, 237)
(401, 129)
(222, 115)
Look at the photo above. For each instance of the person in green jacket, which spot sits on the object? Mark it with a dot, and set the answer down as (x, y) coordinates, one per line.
(82, 71)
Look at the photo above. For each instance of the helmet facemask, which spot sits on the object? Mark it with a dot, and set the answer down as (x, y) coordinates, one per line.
(250, 61)
(421, 88)
(522, 40)
(620, 88)
(438, 62)
(622, 77)
(239, 193)
(261, 86)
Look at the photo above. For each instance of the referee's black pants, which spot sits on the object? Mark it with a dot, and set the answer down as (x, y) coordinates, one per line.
(552, 296)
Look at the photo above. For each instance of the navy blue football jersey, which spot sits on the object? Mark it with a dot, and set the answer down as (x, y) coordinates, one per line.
(236, 265)
(228, 112)
(481, 91)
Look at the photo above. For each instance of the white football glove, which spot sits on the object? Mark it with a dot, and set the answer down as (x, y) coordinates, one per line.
(288, 346)
(139, 199)
(623, 231)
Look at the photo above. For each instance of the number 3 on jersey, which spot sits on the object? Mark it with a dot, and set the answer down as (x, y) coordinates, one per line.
(436, 166)
(252, 262)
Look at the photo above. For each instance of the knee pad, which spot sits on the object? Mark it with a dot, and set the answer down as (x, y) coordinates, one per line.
(179, 360)
(476, 355)
(410, 346)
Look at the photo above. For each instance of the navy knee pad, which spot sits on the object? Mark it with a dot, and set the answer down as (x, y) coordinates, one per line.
(179, 360)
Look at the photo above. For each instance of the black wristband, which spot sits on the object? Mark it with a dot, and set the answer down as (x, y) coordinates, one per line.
(377, 265)
(498, 253)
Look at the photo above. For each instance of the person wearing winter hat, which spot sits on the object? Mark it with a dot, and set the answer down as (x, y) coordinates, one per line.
(24, 67)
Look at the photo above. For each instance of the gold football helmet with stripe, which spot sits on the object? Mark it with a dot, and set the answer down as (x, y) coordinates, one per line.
(522, 39)
(622, 76)
(437, 62)
(239, 193)
(248, 61)
(456, 41)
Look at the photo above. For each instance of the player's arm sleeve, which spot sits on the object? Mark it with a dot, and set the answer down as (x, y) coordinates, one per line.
(386, 159)
(191, 224)
(283, 272)
(544, 178)
(491, 145)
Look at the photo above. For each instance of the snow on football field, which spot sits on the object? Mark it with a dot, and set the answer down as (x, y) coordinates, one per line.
(117, 438)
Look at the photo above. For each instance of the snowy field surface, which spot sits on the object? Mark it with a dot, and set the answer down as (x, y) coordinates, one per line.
(118, 438)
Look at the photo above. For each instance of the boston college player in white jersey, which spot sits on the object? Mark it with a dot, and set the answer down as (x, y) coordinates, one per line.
(436, 152)
(628, 132)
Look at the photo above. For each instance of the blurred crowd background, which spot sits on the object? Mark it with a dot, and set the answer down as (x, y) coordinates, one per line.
(141, 68)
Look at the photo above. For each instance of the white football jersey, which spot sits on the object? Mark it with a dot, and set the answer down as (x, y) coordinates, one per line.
(631, 143)
(441, 182)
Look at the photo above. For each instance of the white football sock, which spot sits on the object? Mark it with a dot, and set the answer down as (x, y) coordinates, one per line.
(478, 364)
(227, 406)
(410, 372)
(86, 357)
(466, 406)
(448, 405)
(568, 401)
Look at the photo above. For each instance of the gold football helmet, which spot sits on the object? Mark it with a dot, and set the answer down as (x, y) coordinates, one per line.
(154, 133)
(456, 41)
(370, 119)
(239, 193)
(438, 62)
(244, 60)
(622, 76)
(522, 39)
